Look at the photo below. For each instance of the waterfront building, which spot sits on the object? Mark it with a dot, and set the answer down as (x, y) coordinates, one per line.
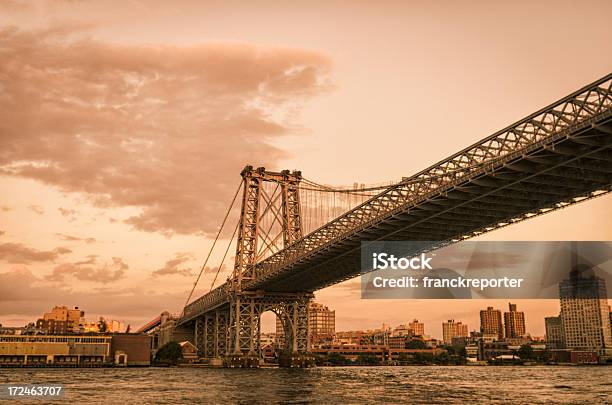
(491, 322)
(54, 349)
(398, 341)
(351, 337)
(135, 347)
(452, 329)
(376, 337)
(115, 326)
(585, 312)
(73, 319)
(418, 328)
(54, 327)
(61, 321)
(554, 333)
(189, 351)
(514, 322)
(401, 330)
(321, 322)
(73, 350)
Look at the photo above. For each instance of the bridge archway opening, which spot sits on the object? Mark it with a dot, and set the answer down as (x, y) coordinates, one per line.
(267, 321)
(273, 323)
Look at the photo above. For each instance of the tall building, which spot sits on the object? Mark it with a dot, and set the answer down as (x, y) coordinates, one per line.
(321, 324)
(452, 329)
(585, 311)
(115, 326)
(418, 328)
(491, 322)
(554, 333)
(514, 322)
(63, 320)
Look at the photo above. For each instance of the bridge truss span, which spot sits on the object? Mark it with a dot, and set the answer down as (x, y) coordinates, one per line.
(546, 153)
(553, 158)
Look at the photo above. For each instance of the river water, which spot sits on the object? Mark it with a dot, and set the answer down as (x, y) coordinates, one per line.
(355, 385)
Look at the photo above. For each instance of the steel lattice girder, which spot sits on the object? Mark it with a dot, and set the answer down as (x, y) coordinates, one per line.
(552, 158)
(245, 321)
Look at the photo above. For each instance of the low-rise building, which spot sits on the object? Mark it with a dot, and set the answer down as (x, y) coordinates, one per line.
(189, 351)
(136, 348)
(73, 350)
(54, 327)
(54, 349)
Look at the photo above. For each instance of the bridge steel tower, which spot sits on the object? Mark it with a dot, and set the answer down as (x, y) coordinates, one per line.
(269, 222)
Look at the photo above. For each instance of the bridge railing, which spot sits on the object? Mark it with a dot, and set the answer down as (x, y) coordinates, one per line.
(546, 126)
(210, 300)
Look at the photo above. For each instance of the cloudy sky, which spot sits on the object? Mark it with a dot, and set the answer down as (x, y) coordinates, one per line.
(124, 127)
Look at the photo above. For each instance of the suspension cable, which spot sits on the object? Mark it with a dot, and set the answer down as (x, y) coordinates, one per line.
(410, 180)
(212, 285)
(214, 243)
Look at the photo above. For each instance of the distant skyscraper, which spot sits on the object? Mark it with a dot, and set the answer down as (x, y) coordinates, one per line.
(491, 322)
(418, 328)
(514, 322)
(585, 311)
(554, 333)
(451, 329)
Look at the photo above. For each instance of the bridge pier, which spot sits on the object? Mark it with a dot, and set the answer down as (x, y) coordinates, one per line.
(296, 360)
(232, 333)
(245, 327)
(211, 334)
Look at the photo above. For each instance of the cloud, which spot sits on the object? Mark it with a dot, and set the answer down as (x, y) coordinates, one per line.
(70, 238)
(28, 297)
(161, 128)
(14, 6)
(91, 259)
(2, 232)
(172, 266)
(36, 209)
(70, 214)
(18, 253)
(84, 271)
(4, 208)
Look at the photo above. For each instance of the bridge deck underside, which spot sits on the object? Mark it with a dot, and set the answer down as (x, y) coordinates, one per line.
(547, 178)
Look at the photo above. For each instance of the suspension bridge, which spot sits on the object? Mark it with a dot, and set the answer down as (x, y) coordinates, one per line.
(294, 236)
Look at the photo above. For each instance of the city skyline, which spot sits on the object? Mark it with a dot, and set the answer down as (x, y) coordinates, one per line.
(127, 239)
(418, 327)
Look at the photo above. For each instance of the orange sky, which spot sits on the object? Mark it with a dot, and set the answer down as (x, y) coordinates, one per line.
(124, 126)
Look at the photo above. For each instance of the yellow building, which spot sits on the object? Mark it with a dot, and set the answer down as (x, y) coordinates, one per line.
(418, 328)
(74, 317)
(452, 329)
(52, 349)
